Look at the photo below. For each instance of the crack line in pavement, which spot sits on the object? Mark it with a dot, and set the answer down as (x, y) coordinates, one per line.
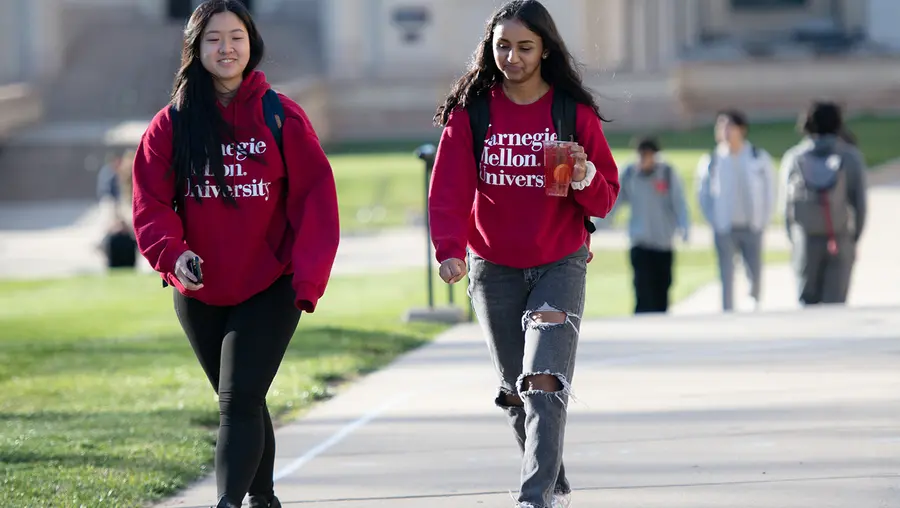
(339, 436)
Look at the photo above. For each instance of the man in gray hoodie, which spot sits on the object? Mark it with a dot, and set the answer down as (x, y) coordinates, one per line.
(824, 203)
(655, 193)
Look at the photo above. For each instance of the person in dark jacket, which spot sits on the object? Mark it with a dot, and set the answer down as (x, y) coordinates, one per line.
(824, 205)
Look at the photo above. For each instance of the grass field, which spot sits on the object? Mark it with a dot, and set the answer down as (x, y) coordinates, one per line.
(103, 404)
(383, 186)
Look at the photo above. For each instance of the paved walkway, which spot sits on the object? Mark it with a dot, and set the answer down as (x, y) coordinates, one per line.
(788, 410)
(782, 408)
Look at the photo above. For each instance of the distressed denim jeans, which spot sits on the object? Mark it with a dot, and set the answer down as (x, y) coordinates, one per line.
(504, 299)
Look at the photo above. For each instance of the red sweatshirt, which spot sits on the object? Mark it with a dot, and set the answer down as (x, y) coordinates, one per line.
(286, 221)
(502, 212)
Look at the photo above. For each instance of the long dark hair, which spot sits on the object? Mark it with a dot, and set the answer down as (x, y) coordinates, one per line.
(822, 118)
(199, 128)
(559, 69)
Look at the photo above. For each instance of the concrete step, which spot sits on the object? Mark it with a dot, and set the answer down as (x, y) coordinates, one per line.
(124, 64)
(119, 64)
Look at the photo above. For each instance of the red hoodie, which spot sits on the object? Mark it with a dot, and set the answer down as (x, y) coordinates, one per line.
(285, 222)
(502, 212)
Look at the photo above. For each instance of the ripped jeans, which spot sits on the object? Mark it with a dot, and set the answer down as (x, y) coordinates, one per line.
(505, 300)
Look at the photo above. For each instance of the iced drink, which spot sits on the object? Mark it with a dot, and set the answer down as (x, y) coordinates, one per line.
(558, 167)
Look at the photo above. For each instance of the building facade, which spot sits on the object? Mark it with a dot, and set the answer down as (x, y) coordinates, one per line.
(369, 37)
(31, 38)
(374, 38)
(381, 66)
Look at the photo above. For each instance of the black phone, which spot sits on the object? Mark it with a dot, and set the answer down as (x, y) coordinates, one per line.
(193, 265)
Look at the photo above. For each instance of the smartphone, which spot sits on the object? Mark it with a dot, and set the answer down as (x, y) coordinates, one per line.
(193, 265)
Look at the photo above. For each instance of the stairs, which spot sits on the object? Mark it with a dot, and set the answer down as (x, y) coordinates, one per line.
(119, 65)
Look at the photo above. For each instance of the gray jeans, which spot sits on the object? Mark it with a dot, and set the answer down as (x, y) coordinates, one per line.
(504, 300)
(749, 244)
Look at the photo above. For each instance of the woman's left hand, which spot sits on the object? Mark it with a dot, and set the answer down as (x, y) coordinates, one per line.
(580, 170)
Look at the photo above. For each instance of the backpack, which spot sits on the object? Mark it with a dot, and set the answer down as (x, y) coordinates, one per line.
(817, 199)
(563, 112)
(120, 249)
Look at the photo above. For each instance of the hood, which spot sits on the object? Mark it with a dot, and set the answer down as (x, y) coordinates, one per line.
(820, 159)
(824, 145)
(252, 88)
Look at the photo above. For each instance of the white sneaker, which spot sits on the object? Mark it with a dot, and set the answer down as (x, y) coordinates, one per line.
(559, 500)
(562, 500)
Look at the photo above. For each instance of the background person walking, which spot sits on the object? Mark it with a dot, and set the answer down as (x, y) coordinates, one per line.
(825, 203)
(736, 190)
(655, 194)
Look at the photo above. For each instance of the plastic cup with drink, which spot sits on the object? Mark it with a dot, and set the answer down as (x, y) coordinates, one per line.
(559, 164)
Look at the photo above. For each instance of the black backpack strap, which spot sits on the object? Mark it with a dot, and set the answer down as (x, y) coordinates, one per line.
(273, 112)
(479, 111)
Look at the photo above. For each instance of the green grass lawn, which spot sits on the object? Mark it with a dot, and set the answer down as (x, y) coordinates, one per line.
(103, 404)
(383, 185)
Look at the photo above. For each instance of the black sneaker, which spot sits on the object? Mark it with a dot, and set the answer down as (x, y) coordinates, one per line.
(262, 502)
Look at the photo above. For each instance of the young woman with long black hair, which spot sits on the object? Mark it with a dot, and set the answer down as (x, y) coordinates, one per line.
(214, 187)
(527, 252)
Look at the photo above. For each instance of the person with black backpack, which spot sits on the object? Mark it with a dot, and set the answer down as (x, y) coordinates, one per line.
(654, 193)
(824, 204)
(235, 206)
(525, 251)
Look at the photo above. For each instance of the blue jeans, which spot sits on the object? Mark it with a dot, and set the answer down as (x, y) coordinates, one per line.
(504, 300)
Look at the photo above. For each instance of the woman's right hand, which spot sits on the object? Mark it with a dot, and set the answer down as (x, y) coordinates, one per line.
(453, 270)
(184, 274)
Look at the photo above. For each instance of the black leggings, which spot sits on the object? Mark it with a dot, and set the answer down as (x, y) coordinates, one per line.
(240, 348)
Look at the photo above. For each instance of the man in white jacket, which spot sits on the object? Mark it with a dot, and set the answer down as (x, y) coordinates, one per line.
(736, 189)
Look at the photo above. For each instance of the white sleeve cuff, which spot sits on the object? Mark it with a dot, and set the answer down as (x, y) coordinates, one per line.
(591, 170)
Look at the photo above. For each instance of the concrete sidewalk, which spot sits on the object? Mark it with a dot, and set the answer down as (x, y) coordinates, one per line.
(778, 409)
(785, 408)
